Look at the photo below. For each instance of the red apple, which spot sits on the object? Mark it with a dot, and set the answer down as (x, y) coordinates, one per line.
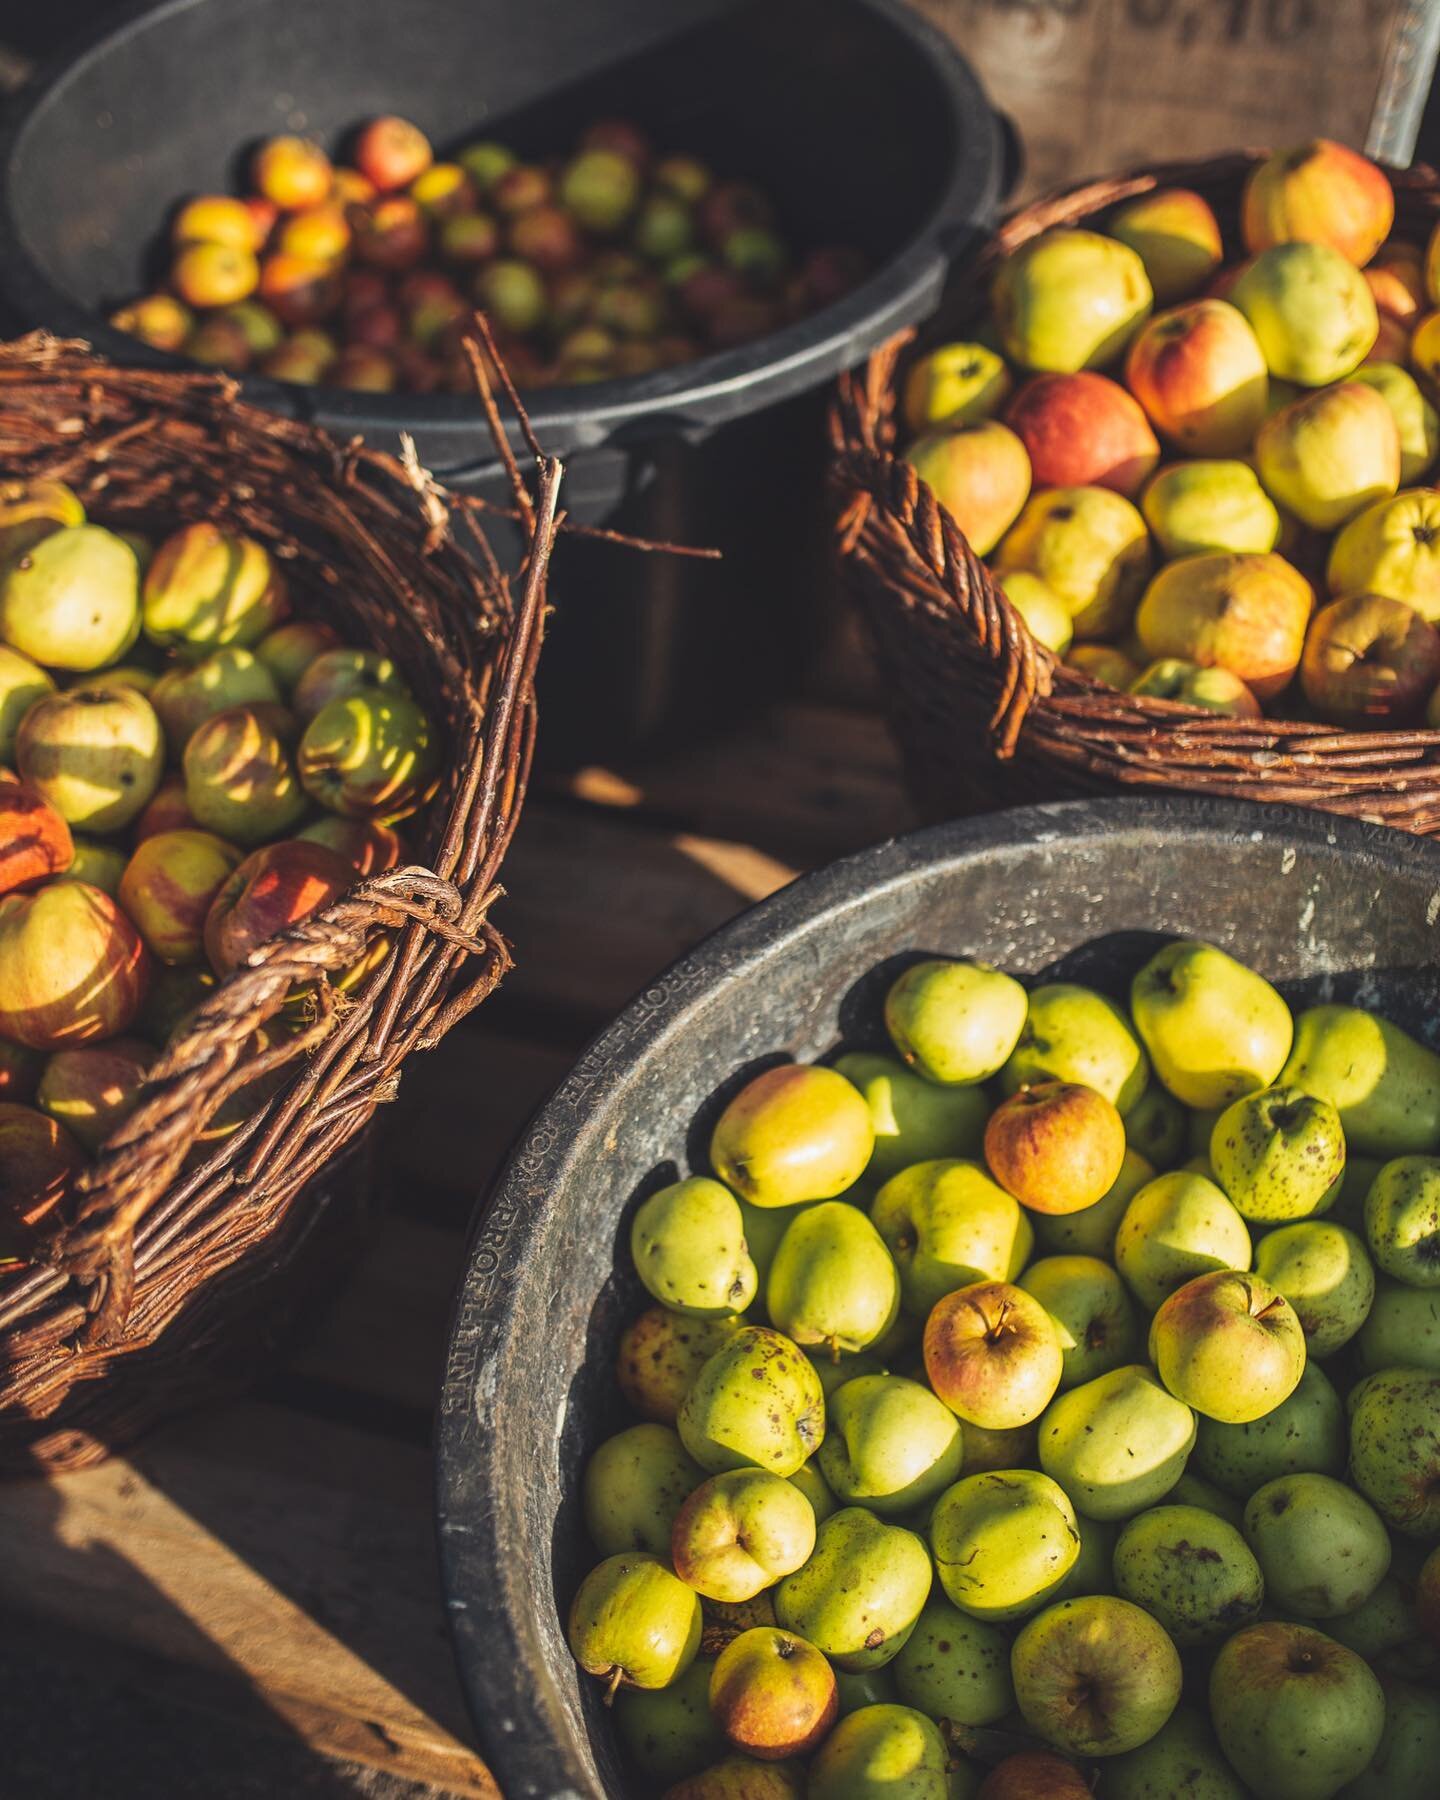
(35, 841)
(773, 1694)
(169, 886)
(1083, 430)
(167, 810)
(72, 966)
(1369, 662)
(368, 846)
(91, 1090)
(1200, 374)
(1247, 614)
(297, 290)
(1056, 1147)
(391, 153)
(1034, 1775)
(992, 1355)
(275, 887)
(1318, 193)
(390, 233)
(1397, 280)
(979, 473)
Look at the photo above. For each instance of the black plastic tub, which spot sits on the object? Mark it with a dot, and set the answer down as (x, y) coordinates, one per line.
(865, 125)
(1083, 890)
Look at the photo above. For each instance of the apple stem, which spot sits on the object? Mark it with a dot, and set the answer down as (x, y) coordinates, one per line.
(612, 1686)
(1270, 1306)
(834, 1347)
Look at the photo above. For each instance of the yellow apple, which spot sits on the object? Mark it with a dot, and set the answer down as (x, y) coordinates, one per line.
(1328, 455)
(1311, 310)
(1088, 545)
(1247, 614)
(1392, 548)
(1176, 236)
(1070, 299)
(979, 473)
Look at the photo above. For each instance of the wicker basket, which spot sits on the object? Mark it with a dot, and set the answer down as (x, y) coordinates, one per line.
(179, 1258)
(984, 715)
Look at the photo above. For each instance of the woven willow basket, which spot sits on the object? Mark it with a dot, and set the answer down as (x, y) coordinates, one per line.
(181, 1256)
(987, 717)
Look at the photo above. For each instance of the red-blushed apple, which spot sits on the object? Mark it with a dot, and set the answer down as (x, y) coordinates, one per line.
(391, 153)
(1318, 193)
(35, 841)
(1083, 430)
(1247, 614)
(773, 1694)
(992, 1354)
(38, 1161)
(1034, 1775)
(1369, 662)
(980, 474)
(169, 886)
(1057, 1146)
(72, 966)
(1199, 372)
(1176, 235)
(368, 846)
(90, 1090)
(1392, 342)
(1396, 278)
(1228, 1345)
(166, 811)
(275, 887)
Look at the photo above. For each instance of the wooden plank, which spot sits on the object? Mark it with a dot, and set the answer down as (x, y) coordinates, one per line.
(270, 1557)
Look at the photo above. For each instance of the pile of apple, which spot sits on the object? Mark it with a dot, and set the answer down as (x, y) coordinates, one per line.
(614, 261)
(1048, 1409)
(1166, 493)
(185, 770)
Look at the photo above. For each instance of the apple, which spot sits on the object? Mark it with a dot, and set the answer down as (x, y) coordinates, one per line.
(31, 510)
(368, 846)
(1415, 418)
(1384, 1085)
(95, 753)
(1091, 1231)
(92, 1089)
(756, 1402)
(858, 1597)
(1186, 683)
(736, 1777)
(955, 1022)
(1069, 299)
(1083, 430)
(1190, 1569)
(1003, 1542)
(1402, 1220)
(1322, 1548)
(1320, 192)
(1324, 1272)
(35, 841)
(1247, 614)
(979, 473)
(1392, 342)
(948, 1225)
(290, 649)
(1311, 311)
(890, 1445)
(791, 1134)
(72, 600)
(1057, 1147)
(1402, 1327)
(1392, 548)
(1214, 1029)
(1095, 1676)
(22, 683)
(369, 752)
(1116, 1444)
(72, 966)
(1072, 1033)
(1034, 1775)
(168, 887)
(1178, 1226)
(1277, 1152)
(207, 587)
(1208, 506)
(1409, 1745)
(955, 1667)
(1200, 374)
(687, 1242)
(772, 1694)
(1090, 546)
(867, 1744)
(956, 384)
(239, 781)
(38, 1161)
(660, 1355)
(165, 810)
(1176, 235)
(739, 1532)
(274, 888)
(1156, 1127)
(992, 1354)
(1102, 663)
(667, 1733)
(1304, 1434)
(633, 1485)
(185, 697)
(1330, 454)
(1228, 1345)
(1046, 615)
(634, 1623)
(1370, 662)
(1395, 1447)
(1296, 1713)
(1091, 1312)
(1182, 1759)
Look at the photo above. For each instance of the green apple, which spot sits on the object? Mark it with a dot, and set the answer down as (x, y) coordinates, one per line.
(947, 1224)
(1202, 507)
(1298, 1714)
(1091, 1231)
(1155, 1127)
(22, 683)
(889, 1444)
(1415, 418)
(1191, 1570)
(688, 1246)
(1190, 684)
(866, 1687)
(1091, 1311)
(1402, 1220)
(914, 1120)
(1395, 1448)
(1402, 1328)
(956, 1022)
(813, 1485)
(633, 1623)
(632, 1488)
(756, 1401)
(1070, 299)
(1384, 1085)
(1325, 1274)
(1010, 1447)
(668, 1732)
(96, 753)
(1382, 1624)
(1322, 1548)
(835, 1371)
(1403, 1768)
(876, 1753)
(738, 1533)
(955, 1667)
(1074, 1034)
(1178, 1226)
(1046, 615)
(956, 384)
(1345, 1203)
(859, 1595)
(1095, 1676)
(1215, 1030)
(186, 696)
(1228, 1345)
(1088, 545)
(1003, 1542)
(370, 754)
(292, 649)
(1091, 1571)
(1118, 1444)
(1194, 1490)
(832, 1280)
(206, 587)
(1392, 548)
(1306, 1433)
(1277, 1153)
(1311, 310)
(239, 779)
(72, 600)
(1181, 1762)
(1330, 454)
(797, 1132)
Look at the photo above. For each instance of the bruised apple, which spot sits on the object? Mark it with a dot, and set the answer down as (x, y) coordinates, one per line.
(72, 966)
(1247, 614)
(1083, 430)
(1200, 374)
(1369, 661)
(275, 887)
(979, 473)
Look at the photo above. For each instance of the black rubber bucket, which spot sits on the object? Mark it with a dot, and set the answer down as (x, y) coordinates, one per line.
(1328, 909)
(863, 122)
